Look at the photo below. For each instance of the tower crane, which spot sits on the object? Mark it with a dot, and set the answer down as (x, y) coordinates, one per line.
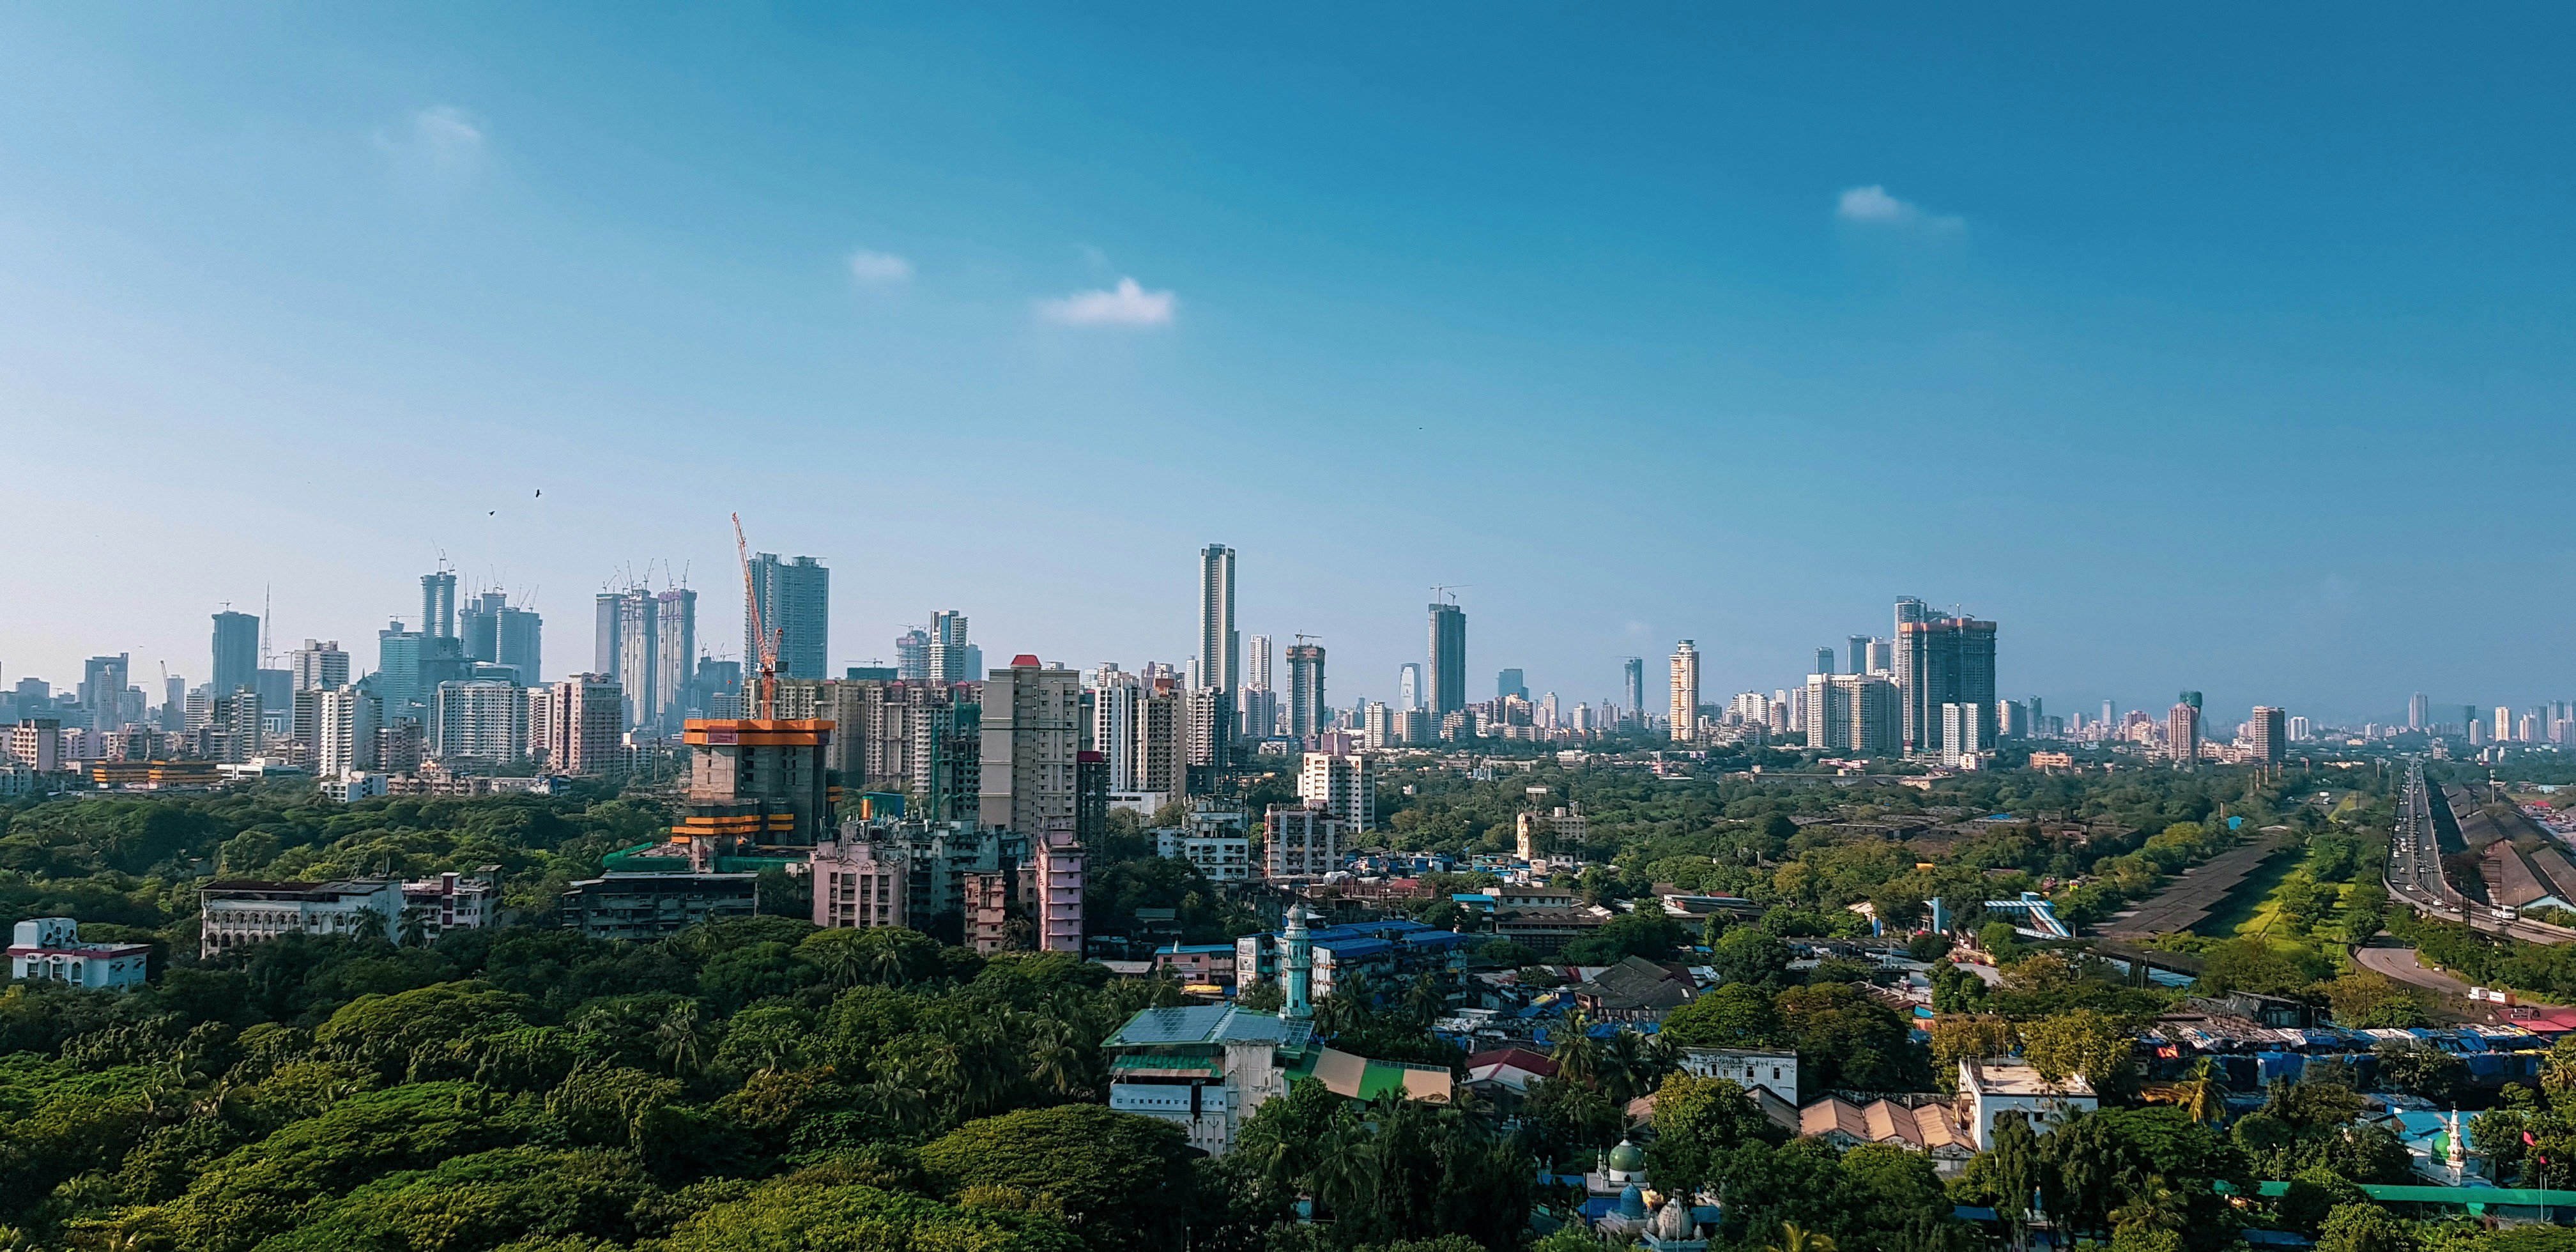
(759, 628)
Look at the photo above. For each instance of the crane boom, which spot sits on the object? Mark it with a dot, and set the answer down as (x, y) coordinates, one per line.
(759, 628)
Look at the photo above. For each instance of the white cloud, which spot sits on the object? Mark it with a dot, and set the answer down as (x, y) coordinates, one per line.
(447, 132)
(1872, 206)
(1126, 304)
(436, 145)
(875, 268)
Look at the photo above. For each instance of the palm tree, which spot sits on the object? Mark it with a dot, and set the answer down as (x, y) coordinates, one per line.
(2152, 1206)
(1792, 1239)
(681, 1040)
(1577, 1054)
(1625, 1066)
(2204, 1094)
(1423, 1000)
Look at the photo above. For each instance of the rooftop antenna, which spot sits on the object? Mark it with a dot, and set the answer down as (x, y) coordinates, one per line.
(1449, 591)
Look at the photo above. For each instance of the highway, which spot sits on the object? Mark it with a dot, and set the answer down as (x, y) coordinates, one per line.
(2415, 872)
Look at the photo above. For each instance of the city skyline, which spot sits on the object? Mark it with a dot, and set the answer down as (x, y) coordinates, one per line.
(1351, 689)
(594, 318)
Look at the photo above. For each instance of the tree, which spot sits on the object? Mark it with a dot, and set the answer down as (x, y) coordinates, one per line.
(1698, 1122)
(2204, 1094)
(1735, 1015)
(2366, 1000)
(2084, 1043)
(2362, 1227)
(1119, 1180)
(1846, 1039)
(1652, 935)
(1793, 1239)
(2429, 1072)
(794, 1213)
(1749, 954)
(1960, 1037)
(2558, 1071)
(1577, 1054)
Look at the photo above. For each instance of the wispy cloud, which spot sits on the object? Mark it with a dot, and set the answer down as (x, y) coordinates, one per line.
(1872, 206)
(1126, 304)
(441, 141)
(878, 268)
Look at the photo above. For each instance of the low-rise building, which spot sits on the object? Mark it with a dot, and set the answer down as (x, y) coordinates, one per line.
(1197, 964)
(353, 786)
(1206, 1069)
(1389, 953)
(233, 913)
(1773, 1069)
(453, 901)
(1222, 858)
(1635, 989)
(1992, 1087)
(858, 885)
(49, 949)
(1925, 1124)
(1547, 930)
(646, 907)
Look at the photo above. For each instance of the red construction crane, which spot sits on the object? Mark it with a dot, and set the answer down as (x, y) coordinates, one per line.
(759, 629)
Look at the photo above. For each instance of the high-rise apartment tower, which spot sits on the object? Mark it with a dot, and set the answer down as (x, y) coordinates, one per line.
(1448, 659)
(1685, 692)
(1220, 647)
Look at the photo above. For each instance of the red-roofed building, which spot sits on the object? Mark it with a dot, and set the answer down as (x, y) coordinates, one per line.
(1512, 1069)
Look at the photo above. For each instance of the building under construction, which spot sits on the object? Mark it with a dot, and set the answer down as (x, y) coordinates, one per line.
(755, 781)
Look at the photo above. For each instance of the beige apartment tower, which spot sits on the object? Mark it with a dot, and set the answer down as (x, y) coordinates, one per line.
(1685, 711)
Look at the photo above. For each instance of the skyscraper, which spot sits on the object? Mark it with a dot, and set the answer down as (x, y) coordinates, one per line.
(344, 730)
(102, 691)
(1853, 713)
(502, 635)
(912, 656)
(795, 603)
(1510, 683)
(1448, 659)
(319, 666)
(1685, 693)
(1305, 689)
(2270, 734)
(945, 659)
(675, 654)
(1258, 704)
(1858, 648)
(1408, 686)
(236, 652)
(1944, 661)
(1632, 673)
(480, 720)
(438, 604)
(1824, 661)
(639, 656)
(1257, 661)
(610, 612)
(1963, 728)
(2419, 711)
(1031, 731)
(582, 725)
(2182, 733)
(1220, 648)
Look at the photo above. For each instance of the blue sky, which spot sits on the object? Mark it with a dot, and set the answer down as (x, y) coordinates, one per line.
(2201, 348)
